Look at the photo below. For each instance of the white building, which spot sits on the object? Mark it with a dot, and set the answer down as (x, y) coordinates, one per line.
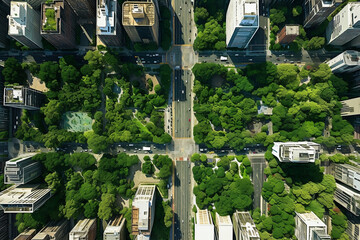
(224, 227)
(345, 26)
(348, 175)
(309, 227)
(23, 199)
(204, 226)
(242, 22)
(296, 152)
(143, 211)
(348, 198)
(316, 11)
(24, 24)
(346, 62)
(84, 230)
(115, 230)
(21, 170)
(351, 107)
(244, 226)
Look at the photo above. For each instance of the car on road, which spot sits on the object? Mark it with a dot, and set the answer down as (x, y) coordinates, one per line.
(179, 14)
(236, 55)
(189, 109)
(189, 10)
(182, 91)
(189, 119)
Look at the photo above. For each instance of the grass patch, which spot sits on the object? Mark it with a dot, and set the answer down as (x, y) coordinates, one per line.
(141, 126)
(50, 24)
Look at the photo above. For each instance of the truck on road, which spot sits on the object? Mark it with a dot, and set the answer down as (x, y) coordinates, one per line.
(222, 58)
(146, 148)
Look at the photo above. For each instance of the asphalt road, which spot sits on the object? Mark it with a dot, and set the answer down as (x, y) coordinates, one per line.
(258, 164)
(182, 100)
(182, 201)
(182, 26)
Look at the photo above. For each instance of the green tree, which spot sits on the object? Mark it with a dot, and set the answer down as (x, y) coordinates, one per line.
(296, 11)
(53, 181)
(106, 206)
(82, 160)
(53, 111)
(91, 208)
(148, 168)
(276, 16)
(13, 72)
(88, 191)
(315, 43)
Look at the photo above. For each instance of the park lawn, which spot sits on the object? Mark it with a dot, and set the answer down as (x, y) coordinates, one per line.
(141, 126)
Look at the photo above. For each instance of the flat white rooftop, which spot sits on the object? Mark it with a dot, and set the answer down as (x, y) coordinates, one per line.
(204, 227)
(17, 18)
(351, 107)
(106, 17)
(310, 219)
(297, 152)
(225, 227)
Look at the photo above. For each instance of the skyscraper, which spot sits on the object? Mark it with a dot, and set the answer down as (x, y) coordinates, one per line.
(24, 24)
(58, 22)
(296, 152)
(115, 230)
(244, 226)
(84, 230)
(4, 11)
(85, 9)
(141, 21)
(348, 198)
(309, 227)
(55, 230)
(242, 22)
(346, 62)
(23, 97)
(316, 11)
(21, 170)
(204, 226)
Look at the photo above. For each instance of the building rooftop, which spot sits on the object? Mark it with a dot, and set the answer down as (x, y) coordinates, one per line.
(299, 152)
(351, 107)
(50, 17)
(204, 227)
(81, 229)
(349, 57)
(310, 219)
(247, 224)
(17, 17)
(114, 227)
(14, 94)
(292, 29)
(106, 17)
(203, 217)
(225, 227)
(26, 235)
(138, 13)
(52, 230)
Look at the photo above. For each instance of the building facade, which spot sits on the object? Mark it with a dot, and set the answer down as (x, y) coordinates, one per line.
(288, 34)
(34, 3)
(28, 234)
(224, 227)
(345, 26)
(353, 226)
(23, 98)
(143, 211)
(141, 21)
(346, 62)
(84, 230)
(24, 24)
(296, 152)
(23, 199)
(204, 226)
(4, 12)
(242, 22)
(4, 111)
(4, 225)
(348, 175)
(351, 107)
(55, 230)
(115, 230)
(21, 170)
(316, 11)
(84, 9)
(348, 198)
(309, 227)
(58, 23)
(244, 226)
(108, 26)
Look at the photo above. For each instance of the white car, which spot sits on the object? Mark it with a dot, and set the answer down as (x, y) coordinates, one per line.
(182, 92)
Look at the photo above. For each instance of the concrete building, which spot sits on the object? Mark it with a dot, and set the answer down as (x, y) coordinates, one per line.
(288, 34)
(351, 107)
(346, 62)
(4, 225)
(204, 226)
(143, 211)
(55, 230)
(244, 226)
(309, 227)
(224, 227)
(4, 111)
(84, 9)
(34, 3)
(296, 152)
(242, 22)
(26, 235)
(4, 12)
(108, 26)
(353, 227)
(348, 198)
(21, 170)
(24, 24)
(348, 175)
(141, 21)
(58, 23)
(115, 230)
(316, 11)
(23, 98)
(345, 26)
(84, 230)
(23, 199)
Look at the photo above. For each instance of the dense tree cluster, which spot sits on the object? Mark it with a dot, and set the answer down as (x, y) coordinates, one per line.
(221, 186)
(80, 188)
(13, 72)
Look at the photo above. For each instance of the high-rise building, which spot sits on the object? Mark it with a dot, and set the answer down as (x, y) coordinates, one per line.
(296, 152)
(84, 230)
(309, 227)
(108, 26)
(23, 97)
(346, 62)
(115, 230)
(345, 26)
(351, 107)
(348, 198)
(244, 226)
(85, 9)
(34, 3)
(4, 12)
(21, 170)
(24, 24)
(353, 227)
(26, 235)
(58, 23)
(224, 227)
(242, 22)
(55, 230)
(23, 199)
(4, 225)
(143, 211)
(348, 175)
(4, 111)
(204, 226)
(316, 11)
(141, 21)
(288, 34)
